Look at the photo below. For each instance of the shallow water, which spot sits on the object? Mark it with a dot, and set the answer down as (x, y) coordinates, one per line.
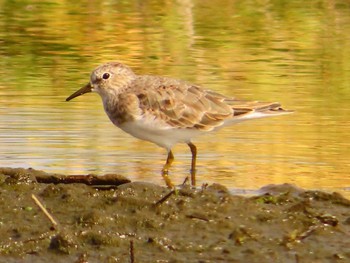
(286, 51)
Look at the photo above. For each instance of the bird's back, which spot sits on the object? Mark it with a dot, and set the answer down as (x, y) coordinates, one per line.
(183, 105)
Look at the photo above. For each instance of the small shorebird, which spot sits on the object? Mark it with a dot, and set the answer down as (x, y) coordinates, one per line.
(167, 111)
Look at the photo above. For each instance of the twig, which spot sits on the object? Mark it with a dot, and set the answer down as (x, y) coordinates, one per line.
(185, 181)
(163, 199)
(132, 256)
(90, 179)
(41, 206)
(307, 233)
(199, 217)
(17, 244)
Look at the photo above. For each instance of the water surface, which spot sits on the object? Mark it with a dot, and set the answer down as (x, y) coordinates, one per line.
(293, 52)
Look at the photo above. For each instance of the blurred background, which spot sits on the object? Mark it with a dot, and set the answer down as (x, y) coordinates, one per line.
(293, 51)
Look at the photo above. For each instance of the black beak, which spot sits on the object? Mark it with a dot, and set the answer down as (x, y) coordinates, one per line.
(86, 89)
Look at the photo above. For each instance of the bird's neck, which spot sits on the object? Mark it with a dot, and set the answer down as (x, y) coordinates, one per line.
(118, 109)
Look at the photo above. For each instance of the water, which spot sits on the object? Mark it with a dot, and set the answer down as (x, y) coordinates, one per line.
(293, 52)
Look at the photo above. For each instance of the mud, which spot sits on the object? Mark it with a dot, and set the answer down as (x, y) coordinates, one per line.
(143, 222)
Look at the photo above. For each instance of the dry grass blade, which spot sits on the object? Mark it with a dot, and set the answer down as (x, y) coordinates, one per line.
(47, 214)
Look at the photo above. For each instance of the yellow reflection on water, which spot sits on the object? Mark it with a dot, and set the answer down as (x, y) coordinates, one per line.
(290, 51)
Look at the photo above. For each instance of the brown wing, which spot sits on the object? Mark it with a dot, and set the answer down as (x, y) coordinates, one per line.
(181, 104)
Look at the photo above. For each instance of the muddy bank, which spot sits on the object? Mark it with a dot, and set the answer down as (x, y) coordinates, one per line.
(142, 222)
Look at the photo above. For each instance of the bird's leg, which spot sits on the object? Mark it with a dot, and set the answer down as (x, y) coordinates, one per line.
(166, 167)
(193, 163)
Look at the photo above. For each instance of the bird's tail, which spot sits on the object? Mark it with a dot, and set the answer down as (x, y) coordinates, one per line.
(256, 109)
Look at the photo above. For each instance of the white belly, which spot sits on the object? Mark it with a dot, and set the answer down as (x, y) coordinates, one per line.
(165, 137)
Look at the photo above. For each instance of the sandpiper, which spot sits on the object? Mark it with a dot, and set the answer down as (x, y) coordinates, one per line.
(167, 111)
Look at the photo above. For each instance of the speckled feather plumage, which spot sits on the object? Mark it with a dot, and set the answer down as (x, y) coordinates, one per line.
(176, 104)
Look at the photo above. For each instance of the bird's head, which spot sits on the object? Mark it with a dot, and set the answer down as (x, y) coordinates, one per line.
(109, 78)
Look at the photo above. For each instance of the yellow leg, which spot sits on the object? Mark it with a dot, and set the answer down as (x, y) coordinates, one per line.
(193, 163)
(165, 170)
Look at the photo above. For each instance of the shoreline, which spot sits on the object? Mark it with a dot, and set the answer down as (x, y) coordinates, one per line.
(144, 222)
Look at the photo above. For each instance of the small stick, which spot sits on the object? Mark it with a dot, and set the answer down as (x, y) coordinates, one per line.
(41, 206)
(90, 179)
(307, 233)
(163, 199)
(198, 217)
(132, 256)
(185, 181)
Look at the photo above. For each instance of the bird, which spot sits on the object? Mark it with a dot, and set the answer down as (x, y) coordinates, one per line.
(167, 111)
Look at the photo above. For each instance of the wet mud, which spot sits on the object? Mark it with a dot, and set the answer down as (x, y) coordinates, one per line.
(143, 222)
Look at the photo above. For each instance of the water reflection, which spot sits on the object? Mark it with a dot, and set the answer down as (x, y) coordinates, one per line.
(288, 51)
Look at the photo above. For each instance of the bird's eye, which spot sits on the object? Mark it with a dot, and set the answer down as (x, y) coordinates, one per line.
(106, 76)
